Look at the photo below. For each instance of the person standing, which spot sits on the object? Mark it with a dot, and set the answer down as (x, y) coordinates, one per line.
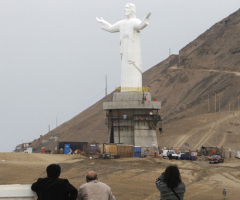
(94, 189)
(145, 154)
(224, 193)
(213, 152)
(170, 185)
(54, 187)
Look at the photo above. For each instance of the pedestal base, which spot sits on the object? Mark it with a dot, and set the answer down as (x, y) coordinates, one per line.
(132, 119)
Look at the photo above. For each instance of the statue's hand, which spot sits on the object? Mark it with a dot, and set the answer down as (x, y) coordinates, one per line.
(104, 25)
(148, 15)
(99, 20)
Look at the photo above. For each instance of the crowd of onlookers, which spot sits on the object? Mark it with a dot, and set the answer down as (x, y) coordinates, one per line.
(169, 184)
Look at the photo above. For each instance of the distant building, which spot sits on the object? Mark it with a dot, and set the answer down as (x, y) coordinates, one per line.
(19, 148)
(24, 147)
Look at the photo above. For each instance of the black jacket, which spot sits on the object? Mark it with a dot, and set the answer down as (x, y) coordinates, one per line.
(54, 189)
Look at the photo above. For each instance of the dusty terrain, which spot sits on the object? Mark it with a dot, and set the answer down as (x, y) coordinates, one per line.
(199, 92)
(204, 77)
(129, 178)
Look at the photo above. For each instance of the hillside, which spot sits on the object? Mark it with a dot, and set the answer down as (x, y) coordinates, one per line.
(206, 71)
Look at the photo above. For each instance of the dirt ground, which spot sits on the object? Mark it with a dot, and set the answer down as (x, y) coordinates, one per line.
(129, 178)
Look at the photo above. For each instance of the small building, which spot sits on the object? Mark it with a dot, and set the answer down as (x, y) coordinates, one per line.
(73, 146)
(18, 148)
(22, 147)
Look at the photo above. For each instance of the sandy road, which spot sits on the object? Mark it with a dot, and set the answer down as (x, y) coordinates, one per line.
(209, 70)
(207, 131)
(129, 178)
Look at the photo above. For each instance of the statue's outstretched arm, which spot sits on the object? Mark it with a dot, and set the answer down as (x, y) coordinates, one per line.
(107, 26)
(144, 22)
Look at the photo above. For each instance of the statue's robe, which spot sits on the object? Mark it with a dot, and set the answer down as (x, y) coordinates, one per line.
(130, 51)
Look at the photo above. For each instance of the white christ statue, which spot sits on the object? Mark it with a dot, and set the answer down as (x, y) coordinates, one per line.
(130, 48)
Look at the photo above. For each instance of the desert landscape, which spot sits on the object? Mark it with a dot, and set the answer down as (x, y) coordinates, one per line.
(198, 90)
(200, 94)
(129, 178)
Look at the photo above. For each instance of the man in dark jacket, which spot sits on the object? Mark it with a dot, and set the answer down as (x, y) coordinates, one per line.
(54, 187)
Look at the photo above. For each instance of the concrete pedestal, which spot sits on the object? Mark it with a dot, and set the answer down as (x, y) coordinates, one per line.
(132, 118)
(16, 192)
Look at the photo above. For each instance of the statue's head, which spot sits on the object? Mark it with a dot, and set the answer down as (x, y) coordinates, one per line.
(130, 10)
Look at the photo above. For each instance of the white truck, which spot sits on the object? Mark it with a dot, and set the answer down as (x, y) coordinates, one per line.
(171, 154)
(28, 150)
(237, 154)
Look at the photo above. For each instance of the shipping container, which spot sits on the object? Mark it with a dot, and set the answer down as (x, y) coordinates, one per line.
(110, 149)
(125, 151)
(120, 150)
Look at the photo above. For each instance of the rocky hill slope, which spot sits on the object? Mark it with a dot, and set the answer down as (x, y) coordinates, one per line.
(199, 90)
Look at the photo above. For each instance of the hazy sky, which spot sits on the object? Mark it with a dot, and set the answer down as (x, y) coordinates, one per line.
(54, 57)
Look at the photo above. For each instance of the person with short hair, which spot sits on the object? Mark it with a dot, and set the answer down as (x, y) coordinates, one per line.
(170, 184)
(53, 187)
(94, 189)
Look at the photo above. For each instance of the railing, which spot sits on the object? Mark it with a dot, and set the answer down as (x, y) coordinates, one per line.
(134, 89)
(16, 192)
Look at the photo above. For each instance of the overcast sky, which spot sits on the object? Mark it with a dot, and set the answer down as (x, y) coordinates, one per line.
(54, 57)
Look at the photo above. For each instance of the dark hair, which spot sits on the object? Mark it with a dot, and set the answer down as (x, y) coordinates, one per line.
(53, 170)
(172, 176)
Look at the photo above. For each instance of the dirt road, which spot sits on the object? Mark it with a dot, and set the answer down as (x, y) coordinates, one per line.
(129, 178)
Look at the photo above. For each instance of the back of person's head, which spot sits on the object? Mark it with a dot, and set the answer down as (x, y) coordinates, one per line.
(91, 175)
(53, 170)
(172, 176)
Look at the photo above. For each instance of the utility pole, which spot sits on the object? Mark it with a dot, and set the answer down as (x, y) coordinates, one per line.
(219, 104)
(238, 101)
(208, 104)
(229, 108)
(216, 134)
(216, 118)
(215, 103)
(178, 59)
(106, 85)
(233, 106)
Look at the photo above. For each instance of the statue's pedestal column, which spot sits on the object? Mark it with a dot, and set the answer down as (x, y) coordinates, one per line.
(132, 118)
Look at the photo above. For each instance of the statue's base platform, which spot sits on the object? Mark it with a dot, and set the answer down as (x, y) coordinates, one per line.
(132, 119)
(132, 100)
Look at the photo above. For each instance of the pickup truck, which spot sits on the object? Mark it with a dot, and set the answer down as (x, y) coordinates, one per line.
(171, 154)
